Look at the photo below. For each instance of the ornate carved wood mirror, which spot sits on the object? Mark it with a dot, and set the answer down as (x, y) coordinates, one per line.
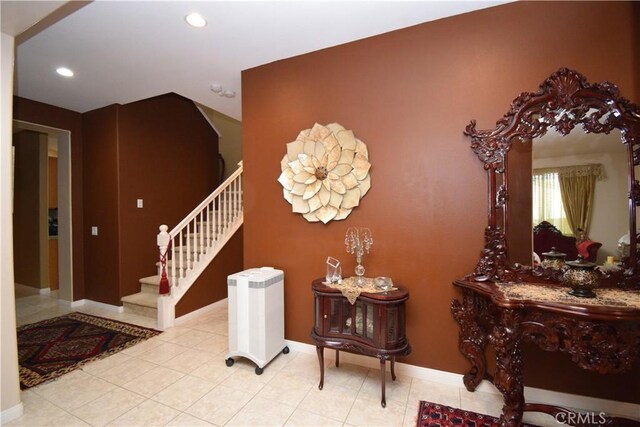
(565, 101)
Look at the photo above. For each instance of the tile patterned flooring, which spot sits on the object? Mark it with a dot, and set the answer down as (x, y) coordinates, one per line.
(179, 378)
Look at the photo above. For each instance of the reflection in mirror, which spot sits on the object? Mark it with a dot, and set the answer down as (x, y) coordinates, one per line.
(579, 185)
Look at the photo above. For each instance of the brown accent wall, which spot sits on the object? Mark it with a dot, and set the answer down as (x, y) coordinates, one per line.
(168, 156)
(160, 150)
(48, 115)
(409, 94)
(30, 243)
(211, 286)
(100, 161)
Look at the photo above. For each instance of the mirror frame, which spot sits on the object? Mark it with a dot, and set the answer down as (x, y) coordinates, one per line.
(563, 101)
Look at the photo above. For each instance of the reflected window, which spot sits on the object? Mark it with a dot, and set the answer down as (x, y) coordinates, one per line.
(547, 201)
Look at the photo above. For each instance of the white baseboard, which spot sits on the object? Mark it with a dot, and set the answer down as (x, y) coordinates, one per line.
(185, 318)
(532, 394)
(93, 304)
(11, 414)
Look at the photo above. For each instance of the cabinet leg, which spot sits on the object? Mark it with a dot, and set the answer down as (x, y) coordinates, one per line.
(320, 351)
(337, 358)
(382, 382)
(393, 365)
(508, 377)
(472, 339)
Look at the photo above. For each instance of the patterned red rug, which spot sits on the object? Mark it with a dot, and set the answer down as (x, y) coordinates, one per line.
(53, 347)
(436, 415)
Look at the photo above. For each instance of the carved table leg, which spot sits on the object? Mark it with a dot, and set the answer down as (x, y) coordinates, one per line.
(320, 351)
(393, 371)
(382, 382)
(472, 339)
(337, 358)
(508, 377)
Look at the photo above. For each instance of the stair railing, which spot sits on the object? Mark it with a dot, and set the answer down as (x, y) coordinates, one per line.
(186, 250)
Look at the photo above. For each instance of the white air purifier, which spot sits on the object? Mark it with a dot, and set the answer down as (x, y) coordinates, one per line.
(256, 316)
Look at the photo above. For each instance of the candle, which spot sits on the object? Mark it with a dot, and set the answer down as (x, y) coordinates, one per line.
(610, 259)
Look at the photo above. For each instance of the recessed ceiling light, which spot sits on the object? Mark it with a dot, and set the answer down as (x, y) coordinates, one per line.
(196, 20)
(64, 71)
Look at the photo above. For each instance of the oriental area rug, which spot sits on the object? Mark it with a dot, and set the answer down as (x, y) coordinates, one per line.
(436, 415)
(53, 347)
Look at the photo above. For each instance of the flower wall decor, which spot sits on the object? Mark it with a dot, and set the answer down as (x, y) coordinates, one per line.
(325, 173)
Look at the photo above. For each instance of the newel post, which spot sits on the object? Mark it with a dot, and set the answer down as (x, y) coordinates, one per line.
(164, 240)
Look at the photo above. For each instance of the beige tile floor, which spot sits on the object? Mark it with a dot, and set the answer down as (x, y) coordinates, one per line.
(179, 378)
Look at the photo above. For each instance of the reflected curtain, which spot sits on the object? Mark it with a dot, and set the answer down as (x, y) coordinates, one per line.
(577, 187)
(577, 198)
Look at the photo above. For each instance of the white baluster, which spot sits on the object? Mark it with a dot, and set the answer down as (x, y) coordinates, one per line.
(240, 193)
(207, 211)
(180, 255)
(219, 214)
(202, 231)
(173, 262)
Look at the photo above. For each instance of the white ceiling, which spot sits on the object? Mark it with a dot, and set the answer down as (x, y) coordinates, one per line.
(127, 51)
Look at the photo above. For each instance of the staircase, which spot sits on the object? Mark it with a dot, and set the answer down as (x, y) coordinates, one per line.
(186, 251)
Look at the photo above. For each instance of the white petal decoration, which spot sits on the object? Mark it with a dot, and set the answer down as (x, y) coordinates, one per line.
(334, 156)
(342, 170)
(316, 162)
(319, 132)
(286, 179)
(309, 147)
(336, 200)
(314, 203)
(312, 190)
(284, 163)
(299, 205)
(335, 128)
(338, 186)
(320, 151)
(361, 167)
(350, 181)
(305, 160)
(330, 142)
(296, 166)
(326, 213)
(346, 139)
(346, 157)
(365, 185)
(342, 214)
(362, 148)
(298, 189)
(287, 196)
(351, 198)
(325, 173)
(311, 217)
(293, 149)
(325, 196)
(304, 177)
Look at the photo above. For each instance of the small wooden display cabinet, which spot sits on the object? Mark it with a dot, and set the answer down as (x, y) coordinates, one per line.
(373, 326)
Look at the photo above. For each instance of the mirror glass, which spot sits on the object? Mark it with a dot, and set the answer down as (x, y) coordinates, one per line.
(589, 172)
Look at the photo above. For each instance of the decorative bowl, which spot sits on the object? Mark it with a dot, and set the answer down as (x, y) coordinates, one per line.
(553, 259)
(582, 277)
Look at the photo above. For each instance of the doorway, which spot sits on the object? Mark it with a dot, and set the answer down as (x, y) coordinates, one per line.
(55, 262)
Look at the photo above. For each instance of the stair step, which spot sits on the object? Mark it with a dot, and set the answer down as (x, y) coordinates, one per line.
(150, 285)
(142, 303)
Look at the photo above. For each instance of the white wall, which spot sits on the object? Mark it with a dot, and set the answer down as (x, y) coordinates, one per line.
(10, 403)
(610, 218)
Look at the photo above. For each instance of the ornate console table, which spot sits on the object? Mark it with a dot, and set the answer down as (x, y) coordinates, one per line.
(373, 326)
(601, 335)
